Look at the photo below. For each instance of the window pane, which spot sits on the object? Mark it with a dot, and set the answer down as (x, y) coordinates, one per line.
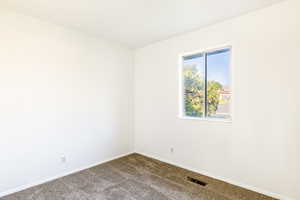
(194, 85)
(218, 84)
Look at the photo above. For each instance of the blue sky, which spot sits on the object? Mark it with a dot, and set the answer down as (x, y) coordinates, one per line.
(218, 66)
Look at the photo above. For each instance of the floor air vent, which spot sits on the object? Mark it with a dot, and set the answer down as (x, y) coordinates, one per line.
(196, 181)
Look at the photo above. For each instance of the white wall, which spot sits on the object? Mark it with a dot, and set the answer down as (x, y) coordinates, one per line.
(61, 93)
(260, 148)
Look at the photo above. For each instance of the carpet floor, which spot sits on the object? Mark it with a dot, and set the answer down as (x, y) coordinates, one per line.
(136, 177)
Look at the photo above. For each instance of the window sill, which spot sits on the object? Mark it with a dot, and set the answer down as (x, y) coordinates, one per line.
(227, 121)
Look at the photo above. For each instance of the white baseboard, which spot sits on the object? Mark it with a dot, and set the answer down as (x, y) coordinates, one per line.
(252, 188)
(45, 180)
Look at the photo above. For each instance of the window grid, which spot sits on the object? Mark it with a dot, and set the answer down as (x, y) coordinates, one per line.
(206, 85)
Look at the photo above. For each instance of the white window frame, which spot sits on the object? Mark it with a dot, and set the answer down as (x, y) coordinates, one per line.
(181, 84)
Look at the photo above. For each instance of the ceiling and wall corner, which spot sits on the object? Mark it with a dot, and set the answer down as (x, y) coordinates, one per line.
(136, 23)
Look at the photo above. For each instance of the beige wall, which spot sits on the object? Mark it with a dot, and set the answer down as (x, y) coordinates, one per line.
(62, 93)
(260, 148)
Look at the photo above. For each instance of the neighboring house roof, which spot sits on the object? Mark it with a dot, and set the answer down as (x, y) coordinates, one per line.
(225, 92)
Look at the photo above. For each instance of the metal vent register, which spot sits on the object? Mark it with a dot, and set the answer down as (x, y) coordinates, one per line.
(196, 181)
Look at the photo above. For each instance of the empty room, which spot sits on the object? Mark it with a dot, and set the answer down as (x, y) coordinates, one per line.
(149, 100)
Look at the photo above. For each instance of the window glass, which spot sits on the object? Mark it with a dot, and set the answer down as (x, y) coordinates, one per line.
(218, 84)
(206, 85)
(194, 85)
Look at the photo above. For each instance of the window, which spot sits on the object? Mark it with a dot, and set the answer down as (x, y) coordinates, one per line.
(206, 89)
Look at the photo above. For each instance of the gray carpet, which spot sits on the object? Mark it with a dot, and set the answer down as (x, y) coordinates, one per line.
(135, 177)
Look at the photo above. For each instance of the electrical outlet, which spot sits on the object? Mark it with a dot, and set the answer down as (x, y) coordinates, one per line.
(63, 159)
(172, 150)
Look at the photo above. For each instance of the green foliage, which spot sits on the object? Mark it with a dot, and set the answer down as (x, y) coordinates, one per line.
(213, 97)
(194, 86)
(194, 92)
